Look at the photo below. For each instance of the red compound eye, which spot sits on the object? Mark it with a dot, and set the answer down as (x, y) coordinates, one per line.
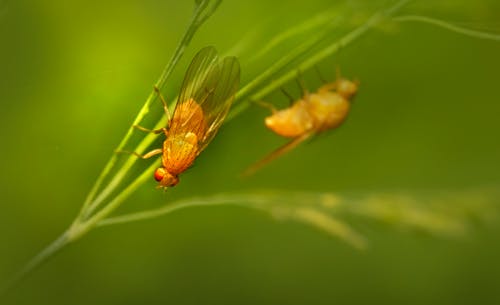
(159, 174)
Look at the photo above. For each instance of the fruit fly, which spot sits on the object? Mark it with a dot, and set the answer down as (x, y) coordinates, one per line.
(325, 109)
(205, 97)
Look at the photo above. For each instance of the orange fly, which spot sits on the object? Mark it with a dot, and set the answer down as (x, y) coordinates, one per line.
(325, 109)
(206, 95)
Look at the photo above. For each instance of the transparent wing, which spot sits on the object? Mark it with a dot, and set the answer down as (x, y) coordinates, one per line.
(217, 104)
(187, 115)
(206, 96)
(276, 154)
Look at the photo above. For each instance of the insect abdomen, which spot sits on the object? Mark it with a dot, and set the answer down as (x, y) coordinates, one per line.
(291, 122)
(329, 109)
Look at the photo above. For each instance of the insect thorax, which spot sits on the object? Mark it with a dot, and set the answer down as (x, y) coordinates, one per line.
(179, 152)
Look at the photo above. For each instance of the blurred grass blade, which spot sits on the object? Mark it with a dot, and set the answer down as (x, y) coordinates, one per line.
(324, 19)
(285, 60)
(446, 214)
(438, 213)
(280, 205)
(330, 225)
(402, 210)
(448, 26)
(305, 64)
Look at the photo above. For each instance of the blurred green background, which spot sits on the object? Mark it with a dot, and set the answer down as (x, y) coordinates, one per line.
(73, 75)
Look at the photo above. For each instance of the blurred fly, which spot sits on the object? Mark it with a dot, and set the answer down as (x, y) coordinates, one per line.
(325, 109)
(206, 95)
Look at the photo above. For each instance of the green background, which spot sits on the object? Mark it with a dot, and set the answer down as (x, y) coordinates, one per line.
(73, 74)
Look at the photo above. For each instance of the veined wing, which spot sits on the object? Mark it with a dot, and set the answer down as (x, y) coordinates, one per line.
(206, 95)
(275, 154)
(216, 106)
(188, 115)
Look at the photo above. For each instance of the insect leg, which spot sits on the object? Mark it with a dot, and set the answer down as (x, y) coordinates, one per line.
(265, 105)
(148, 155)
(290, 97)
(323, 80)
(165, 106)
(301, 84)
(156, 131)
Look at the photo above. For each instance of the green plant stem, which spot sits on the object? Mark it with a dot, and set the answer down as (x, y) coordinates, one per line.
(314, 59)
(266, 90)
(120, 175)
(282, 63)
(85, 220)
(321, 20)
(244, 200)
(90, 216)
(53, 248)
(115, 203)
(449, 26)
(78, 229)
(298, 206)
(443, 213)
(308, 208)
(198, 18)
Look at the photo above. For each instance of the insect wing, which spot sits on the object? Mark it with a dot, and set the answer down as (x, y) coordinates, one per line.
(276, 154)
(188, 115)
(226, 79)
(206, 95)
